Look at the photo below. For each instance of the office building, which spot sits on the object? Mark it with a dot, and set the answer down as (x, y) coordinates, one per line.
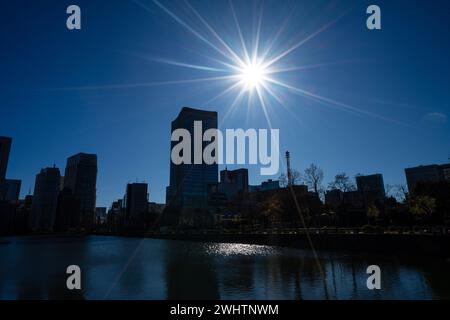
(189, 183)
(5, 147)
(371, 188)
(136, 200)
(100, 215)
(428, 173)
(233, 182)
(10, 190)
(80, 178)
(68, 213)
(45, 199)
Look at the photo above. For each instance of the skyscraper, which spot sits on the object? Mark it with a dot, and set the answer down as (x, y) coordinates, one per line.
(45, 199)
(136, 200)
(11, 190)
(188, 187)
(428, 173)
(80, 178)
(5, 147)
(371, 187)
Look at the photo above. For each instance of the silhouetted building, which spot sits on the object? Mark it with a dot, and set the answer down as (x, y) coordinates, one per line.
(136, 200)
(115, 217)
(5, 147)
(154, 207)
(189, 183)
(334, 197)
(81, 178)
(233, 182)
(100, 215)
(23, 215)
(429, 173)
(371, 188)
(266, 186)
(45, 199)
(270, 185)
(11, 190)
(7, 215)
(68, 213)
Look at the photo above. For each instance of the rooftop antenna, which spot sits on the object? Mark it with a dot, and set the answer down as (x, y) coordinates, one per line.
(288, 165)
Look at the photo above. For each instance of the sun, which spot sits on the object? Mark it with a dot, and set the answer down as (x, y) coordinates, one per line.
(252, 75)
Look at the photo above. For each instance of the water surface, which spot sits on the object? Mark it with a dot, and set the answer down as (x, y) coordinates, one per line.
(131, 268)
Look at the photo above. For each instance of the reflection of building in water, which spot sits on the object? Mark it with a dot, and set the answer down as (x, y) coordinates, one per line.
(190, 273)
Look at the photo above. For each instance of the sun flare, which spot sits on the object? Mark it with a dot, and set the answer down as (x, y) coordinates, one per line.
(252, 76)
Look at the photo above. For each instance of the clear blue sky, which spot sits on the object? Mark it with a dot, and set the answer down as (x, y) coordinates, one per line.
(398, 77)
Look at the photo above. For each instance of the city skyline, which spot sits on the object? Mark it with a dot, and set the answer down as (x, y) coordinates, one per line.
(51, 115)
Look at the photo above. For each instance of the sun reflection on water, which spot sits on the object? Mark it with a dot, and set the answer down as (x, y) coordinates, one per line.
(229, 249)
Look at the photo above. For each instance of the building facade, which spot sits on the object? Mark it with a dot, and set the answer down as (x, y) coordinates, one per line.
(80, 178)
(136, 200)
(10, 190)
(233, 182)
(45, 199)
(5, 147)
(428, 173)
(189, 183)
(371, 188)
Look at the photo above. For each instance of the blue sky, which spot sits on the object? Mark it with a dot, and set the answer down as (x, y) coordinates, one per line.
(65, 91)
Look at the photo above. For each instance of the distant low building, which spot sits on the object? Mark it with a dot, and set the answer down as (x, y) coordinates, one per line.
(266, 186)
(233, 182)
(154, 207)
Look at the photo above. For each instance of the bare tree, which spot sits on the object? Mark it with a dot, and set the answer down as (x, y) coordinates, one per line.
(296, 178)
(313, 177)
(283, 180)
(342, 182)
(401, 192)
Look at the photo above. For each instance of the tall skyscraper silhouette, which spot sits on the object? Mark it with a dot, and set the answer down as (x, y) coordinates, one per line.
(5, 147)
(45, 199)
(189, 182)
(80, 177)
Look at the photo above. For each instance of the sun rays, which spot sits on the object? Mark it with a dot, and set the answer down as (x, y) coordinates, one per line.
(248, 67)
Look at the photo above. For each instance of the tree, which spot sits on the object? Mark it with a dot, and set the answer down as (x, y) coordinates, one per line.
(422, 206)
(296, 178)
(272, 210)
(313, 178)
(342, 182)
(283, 180)
(400, 193)
(373, 213)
